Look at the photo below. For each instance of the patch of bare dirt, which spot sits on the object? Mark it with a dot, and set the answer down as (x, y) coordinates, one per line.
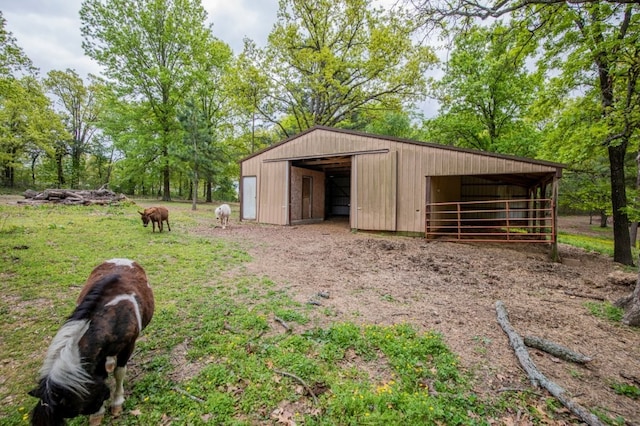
(452, 288)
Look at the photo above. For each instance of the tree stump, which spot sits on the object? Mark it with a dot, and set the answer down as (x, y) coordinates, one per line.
(631, 306)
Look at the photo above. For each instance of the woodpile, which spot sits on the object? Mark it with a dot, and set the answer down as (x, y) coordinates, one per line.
(101, 196)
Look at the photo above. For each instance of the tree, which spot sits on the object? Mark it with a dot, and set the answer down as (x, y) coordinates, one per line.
(79, 109)
(594, 45)
(327, 60)
(149, 49)
(248, 86)
(396, 124)
(212, 103)
(12, 57)
(28, 126)
(485, 93)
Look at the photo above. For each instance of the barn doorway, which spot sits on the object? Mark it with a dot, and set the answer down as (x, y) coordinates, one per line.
(338, 195)
(332, 189)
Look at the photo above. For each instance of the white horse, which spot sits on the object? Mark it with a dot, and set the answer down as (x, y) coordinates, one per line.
(222, 215)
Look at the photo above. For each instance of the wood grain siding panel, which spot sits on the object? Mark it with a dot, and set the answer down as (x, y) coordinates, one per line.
(274, 193)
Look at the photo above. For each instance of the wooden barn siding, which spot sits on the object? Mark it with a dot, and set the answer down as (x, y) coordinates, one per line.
(414, 163)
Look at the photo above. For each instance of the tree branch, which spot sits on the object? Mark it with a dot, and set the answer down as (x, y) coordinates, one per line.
(536, 377)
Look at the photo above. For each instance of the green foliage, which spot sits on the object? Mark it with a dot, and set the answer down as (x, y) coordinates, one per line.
(154, 52)
(605, 310)
(625, 389)
(485, 94)
(79, 110)
(29, 128)
(586, 190)
(328, 61)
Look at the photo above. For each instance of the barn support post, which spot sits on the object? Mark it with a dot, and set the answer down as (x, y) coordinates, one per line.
(542, 215)
(555, 256)
(533, 205)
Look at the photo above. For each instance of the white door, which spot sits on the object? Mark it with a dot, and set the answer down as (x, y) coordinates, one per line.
(249, 198)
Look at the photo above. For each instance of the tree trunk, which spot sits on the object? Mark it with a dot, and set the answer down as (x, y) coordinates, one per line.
(209, 192)
(634, 225)
(60, 170)
(166, 174)
(75, 168)
(603, 219)
(621, 239)
(632, 313)
(631, 306)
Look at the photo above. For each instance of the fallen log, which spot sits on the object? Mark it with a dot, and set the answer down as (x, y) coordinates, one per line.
(99, 196)
(556, 349)
(535, 376)
(585, 296)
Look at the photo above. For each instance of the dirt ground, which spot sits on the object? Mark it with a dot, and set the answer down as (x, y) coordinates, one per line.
(453, 288)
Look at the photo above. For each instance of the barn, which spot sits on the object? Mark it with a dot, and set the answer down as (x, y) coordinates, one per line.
(380, 183)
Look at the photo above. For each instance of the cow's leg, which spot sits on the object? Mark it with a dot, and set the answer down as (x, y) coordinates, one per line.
(168, 226)
(118, 392)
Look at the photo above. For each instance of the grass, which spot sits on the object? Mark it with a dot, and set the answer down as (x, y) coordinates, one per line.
(213, 353)
(602, 245)
(626, 389)
(605, 310)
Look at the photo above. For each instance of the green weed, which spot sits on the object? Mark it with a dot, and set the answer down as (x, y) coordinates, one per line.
(625, 389)
(605, 310)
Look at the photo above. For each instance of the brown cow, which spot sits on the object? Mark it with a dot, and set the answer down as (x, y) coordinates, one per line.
(155, 215)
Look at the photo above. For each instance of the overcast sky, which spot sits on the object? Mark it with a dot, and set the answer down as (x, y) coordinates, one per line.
(48, 31)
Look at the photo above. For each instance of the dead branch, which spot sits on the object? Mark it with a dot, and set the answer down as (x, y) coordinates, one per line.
(535, 376)
(556, 349)
(585, 296)
(188, 395)
(282, 323)
(293, 376)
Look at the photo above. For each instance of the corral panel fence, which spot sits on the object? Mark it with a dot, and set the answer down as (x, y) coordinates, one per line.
(521, 220)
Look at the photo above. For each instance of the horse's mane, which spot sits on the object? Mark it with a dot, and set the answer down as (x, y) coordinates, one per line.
(63, 363)
(88, 305)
